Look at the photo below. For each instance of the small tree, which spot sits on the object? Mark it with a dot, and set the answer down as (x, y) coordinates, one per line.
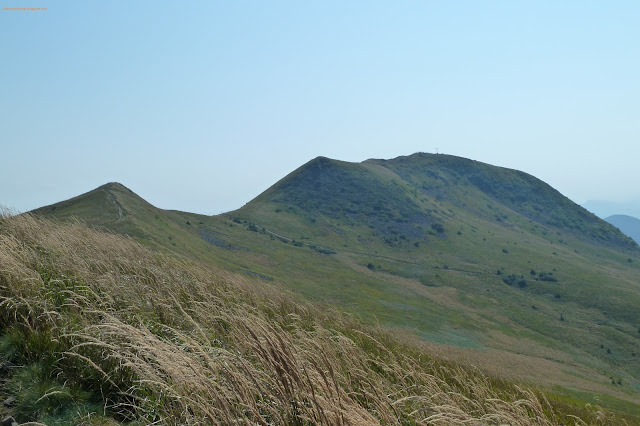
(437, 227)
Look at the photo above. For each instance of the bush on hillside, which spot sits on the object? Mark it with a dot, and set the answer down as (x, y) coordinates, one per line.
(437, 227)
(322, 250)
(547, 276)
(512, 280)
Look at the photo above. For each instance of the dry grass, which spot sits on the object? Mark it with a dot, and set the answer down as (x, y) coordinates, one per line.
(164, 340)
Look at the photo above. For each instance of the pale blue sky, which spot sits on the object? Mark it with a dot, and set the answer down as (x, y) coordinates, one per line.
(200, 106)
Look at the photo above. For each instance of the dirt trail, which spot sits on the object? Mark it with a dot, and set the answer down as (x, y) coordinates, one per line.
(113, 200)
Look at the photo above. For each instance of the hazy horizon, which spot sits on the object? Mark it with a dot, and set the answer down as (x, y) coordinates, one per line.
(202, 108)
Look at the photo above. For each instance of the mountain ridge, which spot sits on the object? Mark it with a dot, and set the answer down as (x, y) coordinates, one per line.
(429, 253)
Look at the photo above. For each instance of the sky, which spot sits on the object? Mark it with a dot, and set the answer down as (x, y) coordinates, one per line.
(201, 106)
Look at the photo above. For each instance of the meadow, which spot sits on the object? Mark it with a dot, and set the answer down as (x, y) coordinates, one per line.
(98, 329)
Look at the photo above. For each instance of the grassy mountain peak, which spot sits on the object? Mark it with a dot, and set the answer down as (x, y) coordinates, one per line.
(401, 196)
(101, 205)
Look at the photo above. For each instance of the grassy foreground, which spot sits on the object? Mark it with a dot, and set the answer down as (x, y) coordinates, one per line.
(97, 329)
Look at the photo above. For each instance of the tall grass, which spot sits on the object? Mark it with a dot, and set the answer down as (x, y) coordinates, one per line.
(97, 329)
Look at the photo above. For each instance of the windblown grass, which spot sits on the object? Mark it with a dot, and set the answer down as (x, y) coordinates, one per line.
(98, 329)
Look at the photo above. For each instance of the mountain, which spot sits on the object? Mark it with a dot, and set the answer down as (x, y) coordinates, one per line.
(493, 265)
(104, 207)
(605, 209)
(403, 193)
(116, 208)
(627, 224)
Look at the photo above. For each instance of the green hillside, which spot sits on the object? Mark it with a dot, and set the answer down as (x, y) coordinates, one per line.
(491, 264)
(96, 329)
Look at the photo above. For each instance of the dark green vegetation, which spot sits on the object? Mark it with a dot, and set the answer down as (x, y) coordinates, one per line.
(627, 224)
(494, 262)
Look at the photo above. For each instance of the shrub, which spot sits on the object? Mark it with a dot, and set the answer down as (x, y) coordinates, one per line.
(512, 280)
(437, 227)
(322, 250)
(547, 276)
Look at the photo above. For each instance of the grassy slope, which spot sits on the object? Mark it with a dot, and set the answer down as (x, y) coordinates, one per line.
(98, 330)
(447, 288)
(442, 285)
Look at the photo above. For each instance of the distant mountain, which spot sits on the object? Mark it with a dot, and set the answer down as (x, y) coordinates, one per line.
(627, 224)
(483, 258)
(605, 209)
